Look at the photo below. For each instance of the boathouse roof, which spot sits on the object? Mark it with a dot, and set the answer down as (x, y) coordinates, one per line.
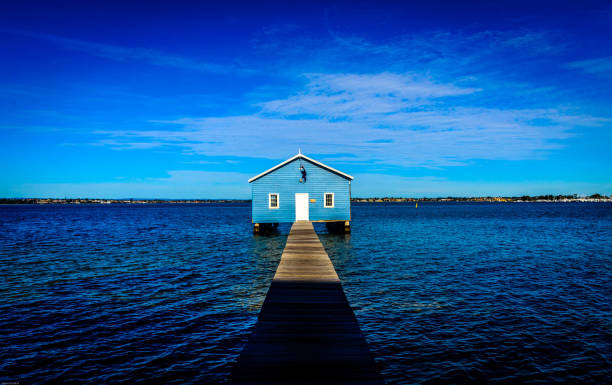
(301, 156)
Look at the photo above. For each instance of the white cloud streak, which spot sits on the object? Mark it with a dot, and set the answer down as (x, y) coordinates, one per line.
(601, 65)
(385, 119)
(138, 54)
(359, 95)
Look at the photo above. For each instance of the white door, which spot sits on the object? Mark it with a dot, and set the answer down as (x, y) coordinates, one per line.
(301, 207)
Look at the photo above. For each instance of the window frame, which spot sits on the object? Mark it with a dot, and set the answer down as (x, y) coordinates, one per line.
(333, 200)
(270, 201)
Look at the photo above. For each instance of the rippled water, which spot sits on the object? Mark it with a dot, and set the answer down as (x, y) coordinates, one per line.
(446, 293)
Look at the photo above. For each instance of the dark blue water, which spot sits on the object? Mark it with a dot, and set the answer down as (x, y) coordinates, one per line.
(446, 293)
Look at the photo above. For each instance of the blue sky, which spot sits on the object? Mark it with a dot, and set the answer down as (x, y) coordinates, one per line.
(189, 100)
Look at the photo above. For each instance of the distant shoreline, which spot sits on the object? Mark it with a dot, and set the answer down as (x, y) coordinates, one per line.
(539, 198)
(524, 198)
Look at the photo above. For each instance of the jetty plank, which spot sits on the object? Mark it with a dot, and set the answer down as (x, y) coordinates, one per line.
(306, 331)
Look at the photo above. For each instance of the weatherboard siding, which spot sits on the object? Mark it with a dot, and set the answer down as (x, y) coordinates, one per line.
(286, 182)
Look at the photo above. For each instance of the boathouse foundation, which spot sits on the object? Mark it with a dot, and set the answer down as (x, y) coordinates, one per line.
(333, 227)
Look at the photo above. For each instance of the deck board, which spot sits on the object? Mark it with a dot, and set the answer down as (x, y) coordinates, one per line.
(306, 331)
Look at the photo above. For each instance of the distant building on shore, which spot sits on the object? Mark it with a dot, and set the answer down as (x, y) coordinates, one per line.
(301, 188)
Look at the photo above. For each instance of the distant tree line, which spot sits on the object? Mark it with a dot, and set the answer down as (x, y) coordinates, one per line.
(107, 201)
(560, 197)
(523, 198)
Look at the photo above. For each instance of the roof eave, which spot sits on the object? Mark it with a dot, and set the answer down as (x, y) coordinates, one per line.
(340, 173)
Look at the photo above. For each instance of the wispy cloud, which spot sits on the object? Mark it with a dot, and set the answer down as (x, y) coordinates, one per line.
(443, 51)
(351, 95)
(602, 65)
(385, 119)
(139, 54)
(433, 118)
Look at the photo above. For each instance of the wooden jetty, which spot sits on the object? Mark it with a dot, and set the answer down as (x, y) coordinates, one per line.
(306, 332)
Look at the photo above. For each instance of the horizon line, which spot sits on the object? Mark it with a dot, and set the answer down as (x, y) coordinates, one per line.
(570, 196)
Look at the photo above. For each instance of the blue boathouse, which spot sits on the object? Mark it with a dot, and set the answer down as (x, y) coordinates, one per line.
(301, 188)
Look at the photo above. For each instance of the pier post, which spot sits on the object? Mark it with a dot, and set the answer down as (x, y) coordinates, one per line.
(338, 227)
(265, 228)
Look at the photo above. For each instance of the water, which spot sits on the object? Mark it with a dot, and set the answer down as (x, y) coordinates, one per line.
(446, 293)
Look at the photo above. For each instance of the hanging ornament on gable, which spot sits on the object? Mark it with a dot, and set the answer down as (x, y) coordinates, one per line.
(303, 171)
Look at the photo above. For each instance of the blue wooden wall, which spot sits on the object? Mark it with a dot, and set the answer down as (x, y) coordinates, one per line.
(286, 182)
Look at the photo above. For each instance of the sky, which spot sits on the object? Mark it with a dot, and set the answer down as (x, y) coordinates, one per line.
(185, 100)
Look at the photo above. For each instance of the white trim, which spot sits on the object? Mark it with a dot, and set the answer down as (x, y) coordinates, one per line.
(325, 201)
(270, 201)
(302, 156)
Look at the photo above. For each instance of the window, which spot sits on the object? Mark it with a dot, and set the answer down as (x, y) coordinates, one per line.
(329, 200)
(273, 201)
